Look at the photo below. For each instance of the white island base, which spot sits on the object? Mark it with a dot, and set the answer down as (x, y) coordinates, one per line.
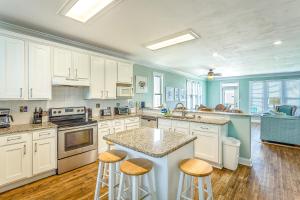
(166, 169)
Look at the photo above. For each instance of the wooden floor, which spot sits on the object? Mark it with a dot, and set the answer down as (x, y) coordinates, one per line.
(275, 175)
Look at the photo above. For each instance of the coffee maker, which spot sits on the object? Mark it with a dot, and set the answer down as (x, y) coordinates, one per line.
(5, 118)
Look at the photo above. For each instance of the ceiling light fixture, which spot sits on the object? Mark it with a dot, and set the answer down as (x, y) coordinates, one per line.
(278, 42)
(172, 40)
(83, 10)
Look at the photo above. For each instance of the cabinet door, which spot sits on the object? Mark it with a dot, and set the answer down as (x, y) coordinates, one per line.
(96, 89)
(15, 163)
(39, 71)
(44, 155)
(102, 146)
(110, 79)
(81, 65)
(181, 130)
(62, 63)
(165, 124)
(125, 73)
(206, 145)
(12, 68)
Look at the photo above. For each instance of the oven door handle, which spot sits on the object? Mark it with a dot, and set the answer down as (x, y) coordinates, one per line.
(77, 128)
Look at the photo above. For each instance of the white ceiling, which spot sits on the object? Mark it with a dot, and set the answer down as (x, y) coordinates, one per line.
(241, 31)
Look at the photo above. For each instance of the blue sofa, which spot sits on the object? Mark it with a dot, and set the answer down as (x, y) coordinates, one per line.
(283, 129)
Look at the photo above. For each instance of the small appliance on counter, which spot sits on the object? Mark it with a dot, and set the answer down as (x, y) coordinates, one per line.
(37, 116)
(105, 112)
(121, 110)
(5, 118)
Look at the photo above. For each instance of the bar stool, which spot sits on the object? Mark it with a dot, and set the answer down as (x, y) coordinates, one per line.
(105, 171)
(199, 169)
(111, 158)
(135, 168)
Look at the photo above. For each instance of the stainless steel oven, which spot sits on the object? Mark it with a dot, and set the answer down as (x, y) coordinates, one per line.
(76, 140)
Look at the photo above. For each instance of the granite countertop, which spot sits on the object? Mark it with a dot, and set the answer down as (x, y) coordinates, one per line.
(26, 127)
(206, 120)
(113, 117)
(151, 141)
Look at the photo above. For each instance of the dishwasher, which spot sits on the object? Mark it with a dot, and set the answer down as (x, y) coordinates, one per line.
(149, 121)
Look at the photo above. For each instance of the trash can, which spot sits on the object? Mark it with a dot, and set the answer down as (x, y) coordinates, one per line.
(231, 152)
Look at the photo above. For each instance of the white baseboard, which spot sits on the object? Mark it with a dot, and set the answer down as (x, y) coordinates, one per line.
(245, 161)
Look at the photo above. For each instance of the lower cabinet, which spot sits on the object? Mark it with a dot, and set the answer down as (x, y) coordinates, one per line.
(44, 155)
(206, 145)
(27, 154)
(15, 157)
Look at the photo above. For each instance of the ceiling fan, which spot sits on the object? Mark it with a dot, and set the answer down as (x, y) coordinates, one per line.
(211, 74)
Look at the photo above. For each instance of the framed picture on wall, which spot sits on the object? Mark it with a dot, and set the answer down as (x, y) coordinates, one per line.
(182, 95)
(141, 84)
(169, 94)
(176, 91)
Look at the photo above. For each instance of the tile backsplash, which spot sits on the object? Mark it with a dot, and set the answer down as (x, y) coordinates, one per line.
(62, 96)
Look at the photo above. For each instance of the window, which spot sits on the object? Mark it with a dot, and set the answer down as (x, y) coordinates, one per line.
(194, 94)
(157, 90)
(287, 91)
(230, 94)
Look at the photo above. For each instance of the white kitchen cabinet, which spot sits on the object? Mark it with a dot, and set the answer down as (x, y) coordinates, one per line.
(70, 68)
(103, 79)
(62, 63)
(206, 145)
(181, 126)
(125, 73)
(44, 155)
(81, 66)
(110, 79)
(39, 70)
(15, 156)
(165, 124)
(132, 123)
(12, 68)
(97, 86)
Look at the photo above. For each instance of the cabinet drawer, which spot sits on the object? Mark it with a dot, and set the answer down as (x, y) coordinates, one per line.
(204, 127)
(118, 129)
(132, 126)
(104, 124)
(119, 122)
(132, 120)
(180, 124)
(164, 122)
(13, 139)
(37, 135)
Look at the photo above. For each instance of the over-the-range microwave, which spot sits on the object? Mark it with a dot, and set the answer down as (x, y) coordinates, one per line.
(124, 91)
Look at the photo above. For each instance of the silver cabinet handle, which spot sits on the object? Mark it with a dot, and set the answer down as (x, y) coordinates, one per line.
(204, 128)
(24, 149)
(14, 138)
(35, 147)
(101, 93)
(41, 134)
(76, 73)
(31, 92)
(21, 92)
(106, 93)
(69, 72)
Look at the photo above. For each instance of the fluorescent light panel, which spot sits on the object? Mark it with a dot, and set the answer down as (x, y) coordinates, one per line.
(172, 40)
(83, 10)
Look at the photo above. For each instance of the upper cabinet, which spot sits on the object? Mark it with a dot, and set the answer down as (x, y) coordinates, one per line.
(70, 68)
(125, 73)
(39, 71)
(103, 78)
(12, 68)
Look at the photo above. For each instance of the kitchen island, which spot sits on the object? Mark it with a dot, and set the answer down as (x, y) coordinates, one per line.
(165, 149)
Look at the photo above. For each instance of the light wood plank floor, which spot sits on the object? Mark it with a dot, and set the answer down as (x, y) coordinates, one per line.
(275, 175)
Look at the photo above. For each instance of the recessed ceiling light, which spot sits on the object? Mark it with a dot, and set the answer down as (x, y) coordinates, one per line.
(278, 42)
(172, 40)
(83, 10)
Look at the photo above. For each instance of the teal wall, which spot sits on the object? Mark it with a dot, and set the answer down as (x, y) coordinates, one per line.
(170, 80)
(213, 88)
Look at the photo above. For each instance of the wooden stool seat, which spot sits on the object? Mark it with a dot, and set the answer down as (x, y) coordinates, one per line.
(112, 156)
(195, 167)
(109, 143)
(136, 166)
